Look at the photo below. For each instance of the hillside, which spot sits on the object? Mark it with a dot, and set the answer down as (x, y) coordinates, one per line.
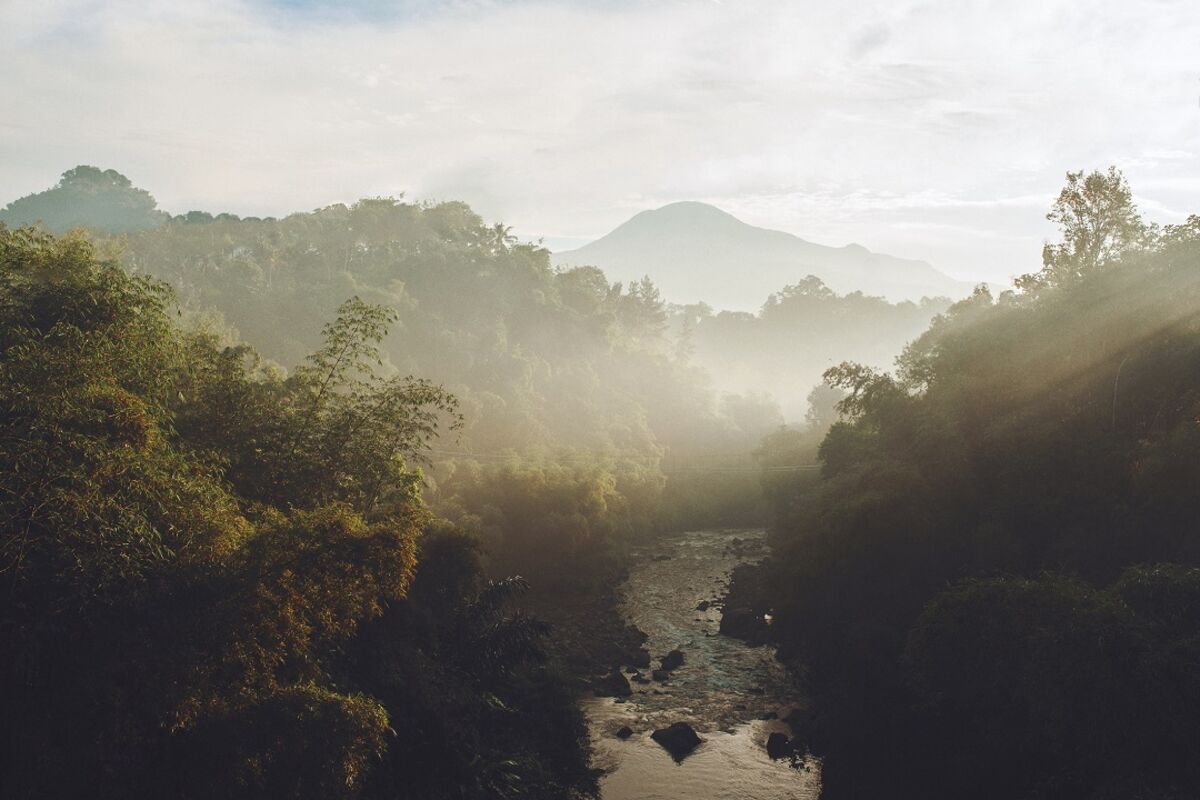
(698, 253)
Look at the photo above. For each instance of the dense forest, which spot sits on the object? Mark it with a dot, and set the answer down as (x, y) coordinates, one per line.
(993, 591)
(807, 327)
(222, 582)
(282, 494)
(245, 544)
(591, 411)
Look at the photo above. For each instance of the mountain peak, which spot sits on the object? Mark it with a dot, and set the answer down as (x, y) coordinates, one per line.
(691, 209)
(685, 216)
(697, 252)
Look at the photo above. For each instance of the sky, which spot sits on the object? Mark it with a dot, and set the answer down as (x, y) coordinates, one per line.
(933, 130)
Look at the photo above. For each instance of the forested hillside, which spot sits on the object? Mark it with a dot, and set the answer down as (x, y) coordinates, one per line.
(994, 589)
(798, 333)
(218, 581)
(570, 389)
(85, 196)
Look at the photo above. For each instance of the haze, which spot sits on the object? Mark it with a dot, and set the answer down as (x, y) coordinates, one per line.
(885, 125)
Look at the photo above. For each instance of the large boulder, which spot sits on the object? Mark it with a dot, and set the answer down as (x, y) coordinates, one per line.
(672, 660)
(778, 746)
(679, 740)
(742, 623)
(640, 658)
(614, 684)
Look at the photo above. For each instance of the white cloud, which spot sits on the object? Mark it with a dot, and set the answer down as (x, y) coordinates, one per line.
(908, 127)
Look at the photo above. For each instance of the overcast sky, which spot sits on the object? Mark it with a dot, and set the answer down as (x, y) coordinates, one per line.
(935, 130)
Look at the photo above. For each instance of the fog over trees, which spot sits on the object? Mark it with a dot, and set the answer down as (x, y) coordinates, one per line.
(338, 504)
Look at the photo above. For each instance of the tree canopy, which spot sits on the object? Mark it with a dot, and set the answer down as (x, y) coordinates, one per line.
(989, 589)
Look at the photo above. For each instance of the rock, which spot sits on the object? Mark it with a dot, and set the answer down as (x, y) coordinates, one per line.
(614, 684)
(640, 678)
(703, 605)
(672, 660)
(679, 740)
(778, 746)
(660, 675)
(640, 658)
(768, 716)
(742, 623)
(624, 732)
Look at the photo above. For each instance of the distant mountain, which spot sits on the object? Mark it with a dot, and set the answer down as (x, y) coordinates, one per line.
(87, 197)
(696, 252)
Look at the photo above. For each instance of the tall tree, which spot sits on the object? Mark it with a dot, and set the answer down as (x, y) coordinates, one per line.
(1099, 223)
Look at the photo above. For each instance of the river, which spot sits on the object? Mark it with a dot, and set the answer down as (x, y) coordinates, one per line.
(724, 688)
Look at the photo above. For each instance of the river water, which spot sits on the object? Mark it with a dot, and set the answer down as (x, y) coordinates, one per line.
(723, 689)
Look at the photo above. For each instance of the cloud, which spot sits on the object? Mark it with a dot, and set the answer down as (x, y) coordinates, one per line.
(909, 127)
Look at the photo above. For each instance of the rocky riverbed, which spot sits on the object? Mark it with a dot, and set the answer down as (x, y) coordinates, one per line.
(715, 701)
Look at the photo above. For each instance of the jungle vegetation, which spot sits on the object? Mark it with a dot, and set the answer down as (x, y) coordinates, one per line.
(993, 591)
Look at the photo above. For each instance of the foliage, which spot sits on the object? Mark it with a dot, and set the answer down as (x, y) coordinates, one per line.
(798, 332)
(87, 197)
(199, 553)
(1040, 434)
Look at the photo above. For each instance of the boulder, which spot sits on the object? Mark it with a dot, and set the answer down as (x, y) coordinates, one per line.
(660, 675)
(778, 746)
(679, 740)
(703, 605)
(672, 660)
(742, 623)
(624, 732)
(614, 684)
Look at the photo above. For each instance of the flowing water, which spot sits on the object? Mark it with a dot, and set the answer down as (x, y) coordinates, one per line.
(722, 690)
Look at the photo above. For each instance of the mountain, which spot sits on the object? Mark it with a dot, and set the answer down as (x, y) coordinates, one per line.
(696, 252)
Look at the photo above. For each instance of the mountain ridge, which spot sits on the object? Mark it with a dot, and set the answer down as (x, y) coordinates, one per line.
(696, 252)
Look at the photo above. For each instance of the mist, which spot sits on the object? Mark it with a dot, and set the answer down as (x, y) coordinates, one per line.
(529, 400)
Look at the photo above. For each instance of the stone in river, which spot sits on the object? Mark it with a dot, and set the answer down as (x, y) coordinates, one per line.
(742, 623)
(672, 660)
(703, 605)
(613, 684)
(679, 740)
(660, 675)
(624, 732)
(778, 746)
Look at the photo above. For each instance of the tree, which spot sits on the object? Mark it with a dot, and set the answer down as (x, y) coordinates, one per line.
(87, 197)
(1099, 223)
